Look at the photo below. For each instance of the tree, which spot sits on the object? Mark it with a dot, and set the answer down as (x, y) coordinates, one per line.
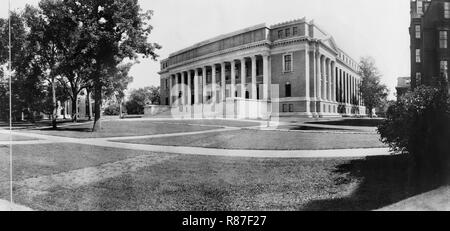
(418, 124)
(140, 97)
(26, 90)
(114, 31)
(116, 86)
(373, 92)
(48, 29)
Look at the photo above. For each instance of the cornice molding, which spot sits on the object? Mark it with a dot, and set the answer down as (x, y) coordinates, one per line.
(264, 43)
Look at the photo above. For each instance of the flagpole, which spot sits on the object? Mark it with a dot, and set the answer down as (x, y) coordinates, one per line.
(10, 110)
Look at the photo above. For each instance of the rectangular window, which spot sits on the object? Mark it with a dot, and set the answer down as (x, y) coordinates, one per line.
(288, 32)
(285, 109)
(446, 9)
(444, 69)
(418, 56)
(418, 78)
(287, 63)
(288, 90)
(443, 39)
(418, 31)
(291, 107)
(280, 34)
(294, 31)
(419, 7)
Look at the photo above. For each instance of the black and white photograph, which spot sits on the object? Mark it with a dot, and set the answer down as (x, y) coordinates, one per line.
(224, 105)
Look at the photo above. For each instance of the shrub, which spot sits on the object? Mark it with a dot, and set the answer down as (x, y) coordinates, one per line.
(134, 107)
(112, 110)
(418, 124)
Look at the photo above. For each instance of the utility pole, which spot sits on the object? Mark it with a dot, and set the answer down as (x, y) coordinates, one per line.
(10, 107)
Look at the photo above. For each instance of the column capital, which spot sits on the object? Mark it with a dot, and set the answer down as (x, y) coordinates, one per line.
(318, 55)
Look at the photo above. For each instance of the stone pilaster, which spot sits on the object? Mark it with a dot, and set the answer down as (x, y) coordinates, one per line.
(223, 83)
(243, 78)
(233, 79)
(213, 83)
(266, 77)
(196, 87)
(319, 76)
(254, 91)
(204, 89)
(189, 84)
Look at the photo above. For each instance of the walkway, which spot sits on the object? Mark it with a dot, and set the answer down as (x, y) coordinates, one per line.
(436, 200)
(7, 206)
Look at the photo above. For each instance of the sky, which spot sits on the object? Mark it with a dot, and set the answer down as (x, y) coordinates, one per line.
(360, 27)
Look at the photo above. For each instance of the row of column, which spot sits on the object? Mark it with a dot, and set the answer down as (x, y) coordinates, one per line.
(335, 85)
(348, 89)
(326, 82)
(181, 82)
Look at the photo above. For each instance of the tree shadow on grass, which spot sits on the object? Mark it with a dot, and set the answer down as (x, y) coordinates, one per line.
(351, 122)
(87, 130)
(307, 128)
(384, 180)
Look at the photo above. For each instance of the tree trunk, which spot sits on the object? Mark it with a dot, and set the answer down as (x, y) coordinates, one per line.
(55, 107)
(89, 104)
(31, 115)
(369, 111)
(120, 110)
(97, 104)
(74, 109)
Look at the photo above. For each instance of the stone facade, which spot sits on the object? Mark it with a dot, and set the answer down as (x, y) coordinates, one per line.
(289, 69)
(84, 110)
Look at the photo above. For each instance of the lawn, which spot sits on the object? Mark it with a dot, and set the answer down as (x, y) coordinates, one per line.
(185, 182)
(121, 128)
(45, 159)
(203, 183)
(207, 183)
(211, 122)
(269, 140)
(41, 123)
(5, 137)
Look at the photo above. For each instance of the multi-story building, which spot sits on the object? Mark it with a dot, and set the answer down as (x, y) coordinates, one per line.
(293, 68)
(84, 107)
(403, 85)
(429, 31)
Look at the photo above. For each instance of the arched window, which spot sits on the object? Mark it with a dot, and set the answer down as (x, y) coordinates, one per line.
(287, 89)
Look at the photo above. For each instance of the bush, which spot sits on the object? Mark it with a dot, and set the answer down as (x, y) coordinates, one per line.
(134, 107)
(112, 110)
(418, 124)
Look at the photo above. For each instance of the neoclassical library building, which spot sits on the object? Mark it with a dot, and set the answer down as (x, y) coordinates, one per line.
(292, 68)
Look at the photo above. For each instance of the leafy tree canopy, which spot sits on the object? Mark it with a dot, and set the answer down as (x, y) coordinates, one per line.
(373, 91)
